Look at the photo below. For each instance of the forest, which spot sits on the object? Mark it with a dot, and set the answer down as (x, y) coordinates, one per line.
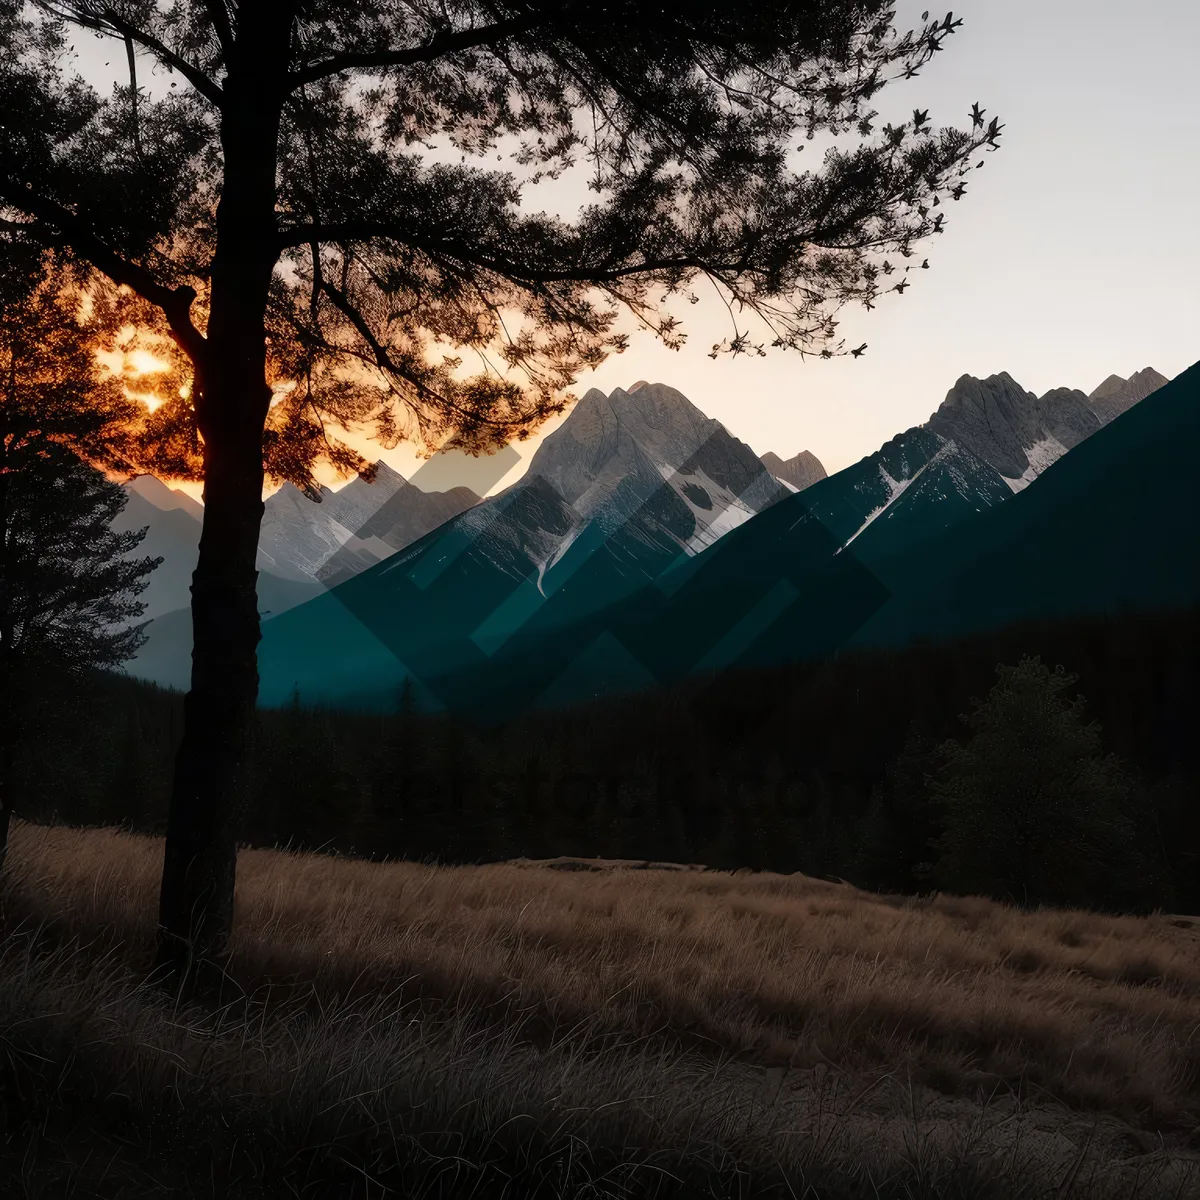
(829, 769)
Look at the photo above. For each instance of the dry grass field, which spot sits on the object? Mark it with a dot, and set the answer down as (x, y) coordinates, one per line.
(773, 1030)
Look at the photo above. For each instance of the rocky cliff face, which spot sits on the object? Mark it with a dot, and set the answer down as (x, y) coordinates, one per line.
(642, 475)
(1116, 395)
(798, 472)
(1014, 431)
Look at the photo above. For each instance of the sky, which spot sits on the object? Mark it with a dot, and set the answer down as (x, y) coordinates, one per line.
(1073, 255)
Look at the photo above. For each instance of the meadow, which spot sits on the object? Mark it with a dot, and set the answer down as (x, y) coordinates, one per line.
(586, 1028)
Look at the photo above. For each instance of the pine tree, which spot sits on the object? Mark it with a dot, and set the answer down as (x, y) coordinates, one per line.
(1035, 812)
(280, 215)
(68, 586)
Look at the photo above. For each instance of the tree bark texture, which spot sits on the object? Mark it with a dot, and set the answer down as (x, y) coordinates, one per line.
(232, 398)
(7, 701)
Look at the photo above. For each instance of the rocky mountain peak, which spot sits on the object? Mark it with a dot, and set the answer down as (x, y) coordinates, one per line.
(1110, 387)
(1015, 431)
(1116, 395)
(800, 471)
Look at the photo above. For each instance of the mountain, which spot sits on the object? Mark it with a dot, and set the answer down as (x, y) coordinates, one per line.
(798, 472)
(1015, 431)
(383, 522)
(1113, 525)
(1116, 395)
(804, 578)
(151, 488)
(645, 544)
(794, 582)
(353, 528)
(630, 483)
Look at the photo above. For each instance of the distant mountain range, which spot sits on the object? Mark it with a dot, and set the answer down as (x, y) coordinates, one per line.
(644, 543)
(629, 484)
(305, 547)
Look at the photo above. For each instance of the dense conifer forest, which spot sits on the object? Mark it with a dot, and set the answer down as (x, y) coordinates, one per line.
(827, 769)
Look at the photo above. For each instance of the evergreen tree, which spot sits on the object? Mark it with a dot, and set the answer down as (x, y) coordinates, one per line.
(1034, 810)
(278, 213)
(68, 586)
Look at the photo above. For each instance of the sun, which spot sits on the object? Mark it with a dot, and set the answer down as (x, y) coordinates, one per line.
(133, 363)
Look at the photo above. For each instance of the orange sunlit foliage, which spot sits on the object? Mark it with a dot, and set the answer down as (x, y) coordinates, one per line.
(133, 345)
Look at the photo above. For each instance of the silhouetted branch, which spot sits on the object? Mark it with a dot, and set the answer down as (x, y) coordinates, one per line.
(55, 225)
(437, 46)
(109, 22)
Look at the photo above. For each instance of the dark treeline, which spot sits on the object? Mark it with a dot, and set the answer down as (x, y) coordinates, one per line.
(821, 768)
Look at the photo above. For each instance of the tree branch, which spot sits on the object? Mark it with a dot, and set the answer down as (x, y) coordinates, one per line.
(439, 44)
(133, 88)
(197, 78)
(56, 224)
(385, 361)
(112, 24)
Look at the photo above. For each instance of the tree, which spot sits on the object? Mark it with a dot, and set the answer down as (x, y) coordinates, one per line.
(281, 214)
(68, 588)
(1035, 812)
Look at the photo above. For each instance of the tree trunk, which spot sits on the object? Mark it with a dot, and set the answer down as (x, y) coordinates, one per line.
(196, 899)
(232, 401)
(8, 701)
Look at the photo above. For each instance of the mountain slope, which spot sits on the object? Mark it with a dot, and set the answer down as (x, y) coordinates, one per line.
(1114, 524)
(796, 580)
(836, 565)
(352, 528)
(628, 484)
(632, 552)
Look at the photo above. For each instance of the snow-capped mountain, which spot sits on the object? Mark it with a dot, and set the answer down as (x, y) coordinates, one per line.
(628, 484)
(519, 595)
(799, 579)
(645, 543)
(1116, 395)
(1112, 527)
(1015, 431)
(650, 445)
(796, 473)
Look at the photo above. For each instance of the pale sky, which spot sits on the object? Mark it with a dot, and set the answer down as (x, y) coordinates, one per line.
(1072, 256)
